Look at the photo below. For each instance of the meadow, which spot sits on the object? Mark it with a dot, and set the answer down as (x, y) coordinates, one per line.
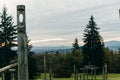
(98, 77)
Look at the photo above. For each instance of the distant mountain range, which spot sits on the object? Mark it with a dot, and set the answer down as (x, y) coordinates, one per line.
(52, 49)
(113, 45)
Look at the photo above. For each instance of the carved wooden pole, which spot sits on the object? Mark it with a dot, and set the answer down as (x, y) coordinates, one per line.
(22, 44)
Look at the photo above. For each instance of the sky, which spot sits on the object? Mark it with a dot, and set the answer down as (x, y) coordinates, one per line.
(59, 22)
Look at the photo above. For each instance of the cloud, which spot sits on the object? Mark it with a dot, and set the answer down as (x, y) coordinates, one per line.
(47, 40)
(49, 19)
(71, 23)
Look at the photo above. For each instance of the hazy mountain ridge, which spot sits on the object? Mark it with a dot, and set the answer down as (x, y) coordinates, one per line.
(113, 45)
(51, 49)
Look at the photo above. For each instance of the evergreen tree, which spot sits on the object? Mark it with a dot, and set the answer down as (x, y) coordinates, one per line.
(7, 40)
(8, 32)
(75, 44)
(76, 48)
(76, 55)
(93, 48)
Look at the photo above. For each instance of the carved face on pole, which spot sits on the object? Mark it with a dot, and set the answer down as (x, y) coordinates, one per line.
(21, 18)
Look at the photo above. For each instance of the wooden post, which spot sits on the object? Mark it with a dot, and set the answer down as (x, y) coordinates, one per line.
(80, 73)
(84, 74)
(103, 73)
(12, 73)
(80, 76)
(94, 74)
(50, 74)
(74, 72)
(44, 67)
(106, 71)
(76, 75)
(87, 74)
(12, 76)
(22, 44)
(3, 75)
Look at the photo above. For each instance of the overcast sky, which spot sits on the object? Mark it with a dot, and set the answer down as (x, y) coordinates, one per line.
(59, 22)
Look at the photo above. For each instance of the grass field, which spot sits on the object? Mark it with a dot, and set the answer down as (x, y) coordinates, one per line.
(99, 77)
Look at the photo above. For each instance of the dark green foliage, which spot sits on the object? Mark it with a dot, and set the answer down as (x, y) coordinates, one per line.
(57, 62)
(114, 65)
(93, 48)
(33, 68)
(6, 56)
(77, 57)
(61, 66)
(32, 62)
(8, 32)
(117, 63)
(75, 45)
(7, 40)
(40, 62)
(63, 69)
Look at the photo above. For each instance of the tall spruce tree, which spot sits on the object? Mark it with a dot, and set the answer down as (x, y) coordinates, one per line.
(8, 37)
(93, 48)
(8, 32)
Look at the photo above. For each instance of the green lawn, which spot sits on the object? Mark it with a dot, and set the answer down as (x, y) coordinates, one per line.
(99, 77)
(114, 76)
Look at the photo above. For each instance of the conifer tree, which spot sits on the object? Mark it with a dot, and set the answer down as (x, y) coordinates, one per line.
(93, 48)
(8, 32)
(77, 55)
(75, 44)
(8, 37)
(76, 48)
